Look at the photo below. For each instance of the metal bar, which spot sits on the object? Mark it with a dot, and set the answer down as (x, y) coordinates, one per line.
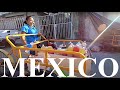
(54, 27)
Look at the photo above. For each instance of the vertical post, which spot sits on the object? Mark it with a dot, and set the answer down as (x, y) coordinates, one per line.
(4, 19)
(71, 27)
(19, 53)
(26, 14)
(38, 23)
(54, 27)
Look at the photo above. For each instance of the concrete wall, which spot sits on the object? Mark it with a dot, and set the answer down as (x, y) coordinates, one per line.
(83, 27)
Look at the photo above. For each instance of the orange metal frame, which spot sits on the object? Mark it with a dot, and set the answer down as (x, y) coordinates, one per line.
(16, 50)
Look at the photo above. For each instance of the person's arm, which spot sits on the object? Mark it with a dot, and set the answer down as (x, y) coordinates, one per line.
(23, 38)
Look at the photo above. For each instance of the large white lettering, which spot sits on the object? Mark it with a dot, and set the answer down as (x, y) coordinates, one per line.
(81, 67)
(101, 67)
(56, 67)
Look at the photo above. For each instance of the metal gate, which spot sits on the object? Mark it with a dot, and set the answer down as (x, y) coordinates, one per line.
(56, 26)
(13, 23)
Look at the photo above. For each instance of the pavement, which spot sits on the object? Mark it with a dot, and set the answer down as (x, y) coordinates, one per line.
(108, 66)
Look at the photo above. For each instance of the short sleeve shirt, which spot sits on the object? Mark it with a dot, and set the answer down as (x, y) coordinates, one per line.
(30, 30)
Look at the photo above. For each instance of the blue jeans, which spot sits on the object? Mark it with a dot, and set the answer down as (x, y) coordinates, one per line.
(32, 52)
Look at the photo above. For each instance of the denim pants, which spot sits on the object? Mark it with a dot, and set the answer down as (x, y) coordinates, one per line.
(33, 52)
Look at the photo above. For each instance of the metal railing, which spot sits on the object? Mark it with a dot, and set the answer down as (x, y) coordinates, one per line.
(11, 23)
(57, 26)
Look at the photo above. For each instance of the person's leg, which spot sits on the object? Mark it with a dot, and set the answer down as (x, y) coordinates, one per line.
(32, 52)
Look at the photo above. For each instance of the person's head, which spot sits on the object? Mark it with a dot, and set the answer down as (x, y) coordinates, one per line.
(29, 20)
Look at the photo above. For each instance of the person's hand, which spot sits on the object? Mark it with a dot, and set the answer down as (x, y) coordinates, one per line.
(39, 34)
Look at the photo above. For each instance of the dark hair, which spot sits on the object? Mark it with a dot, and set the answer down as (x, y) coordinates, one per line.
(27, 17)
